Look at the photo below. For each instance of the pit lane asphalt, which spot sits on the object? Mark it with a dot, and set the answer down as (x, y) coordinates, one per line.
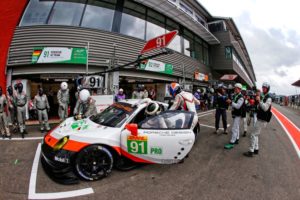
(210, 172)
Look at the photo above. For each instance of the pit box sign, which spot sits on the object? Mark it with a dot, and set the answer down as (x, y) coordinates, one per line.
(137, 144)
(59, 55)
(156, 66)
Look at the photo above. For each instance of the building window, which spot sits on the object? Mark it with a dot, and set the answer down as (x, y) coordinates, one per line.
(176, 42)
(198, 49)
(200, 20)
(217, 26)
(186, 8)
(67, 13)
(188, 43)
(205, 54)
(36, 13)
(99, 15)
(133, 20)
(155, 24)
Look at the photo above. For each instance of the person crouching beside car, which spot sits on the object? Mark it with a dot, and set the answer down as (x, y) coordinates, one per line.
(264, 115)
(85, 105)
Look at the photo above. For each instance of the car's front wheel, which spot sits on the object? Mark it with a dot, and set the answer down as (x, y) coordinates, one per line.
(94, 162)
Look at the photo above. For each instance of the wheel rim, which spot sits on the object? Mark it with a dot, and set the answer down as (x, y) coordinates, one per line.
(94, 164)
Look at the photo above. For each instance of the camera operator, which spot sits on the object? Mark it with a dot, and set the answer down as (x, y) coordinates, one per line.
(264, 104)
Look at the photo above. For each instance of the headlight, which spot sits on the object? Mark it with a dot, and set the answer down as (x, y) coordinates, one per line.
(61, 143)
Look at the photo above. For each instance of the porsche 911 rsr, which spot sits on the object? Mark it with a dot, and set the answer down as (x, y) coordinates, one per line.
(121, 136)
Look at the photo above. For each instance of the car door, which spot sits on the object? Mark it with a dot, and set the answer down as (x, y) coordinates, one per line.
(166, 138)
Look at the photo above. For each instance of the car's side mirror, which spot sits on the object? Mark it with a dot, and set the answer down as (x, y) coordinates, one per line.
(133, 128)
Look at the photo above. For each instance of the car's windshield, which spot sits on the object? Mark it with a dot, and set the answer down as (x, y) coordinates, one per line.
(114, 116)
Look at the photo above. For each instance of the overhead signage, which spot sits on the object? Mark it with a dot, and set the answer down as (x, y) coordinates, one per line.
(156, 66)
(200, 77)
(228, 77)
(159, 42)
(59, 55)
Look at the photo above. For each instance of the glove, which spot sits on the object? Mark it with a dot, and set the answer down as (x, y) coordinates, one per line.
(48, 109)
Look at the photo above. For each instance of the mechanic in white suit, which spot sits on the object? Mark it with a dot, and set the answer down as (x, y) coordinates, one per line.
(184, 101)
(237, 103)
(63, 98)
(40, 103)
(85, 105)
(263, 117)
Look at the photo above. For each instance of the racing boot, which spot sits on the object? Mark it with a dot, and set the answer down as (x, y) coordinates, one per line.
(248, 154)
(237, 141)
(255, 152)
(8, 134)
(245, 134)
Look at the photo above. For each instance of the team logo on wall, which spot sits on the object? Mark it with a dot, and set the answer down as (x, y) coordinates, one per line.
(59, 55)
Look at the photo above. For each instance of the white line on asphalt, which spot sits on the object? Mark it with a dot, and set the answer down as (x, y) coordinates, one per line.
(208, 126)
(290, 137)
(210, 111)
(55, 195)
(204, 114)
(26, 138)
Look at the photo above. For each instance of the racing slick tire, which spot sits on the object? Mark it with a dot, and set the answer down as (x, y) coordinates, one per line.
(124, 164)
(93, 163)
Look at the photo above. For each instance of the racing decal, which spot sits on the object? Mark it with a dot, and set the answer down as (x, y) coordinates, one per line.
(137, 144)
(166, 133)
(79, 125)
(156, 151)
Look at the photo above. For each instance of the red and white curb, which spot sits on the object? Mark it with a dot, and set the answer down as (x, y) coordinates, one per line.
(292, 131)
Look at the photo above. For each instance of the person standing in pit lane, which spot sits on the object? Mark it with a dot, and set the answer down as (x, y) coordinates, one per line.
(237, 103)
(4, 129)
(221, 108)
(264, 115)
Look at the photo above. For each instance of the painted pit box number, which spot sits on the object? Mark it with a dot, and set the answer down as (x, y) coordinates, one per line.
(137, 144)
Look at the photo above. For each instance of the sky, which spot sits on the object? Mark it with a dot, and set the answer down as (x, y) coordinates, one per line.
(271, 31)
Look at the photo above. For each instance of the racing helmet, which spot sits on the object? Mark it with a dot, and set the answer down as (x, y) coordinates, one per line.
(84, 95)
(153, 109)
(238, 85)
(64, 86)
(266, 85)
(174, 89)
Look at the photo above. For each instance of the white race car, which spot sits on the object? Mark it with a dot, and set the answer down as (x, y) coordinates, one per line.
(121, 136)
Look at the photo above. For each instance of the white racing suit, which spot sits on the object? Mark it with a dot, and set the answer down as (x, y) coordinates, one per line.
(63, 98)
(236, 120)
(21, 100)
(85, 108)
(186, 101)
(3, 118)
(12, 114)
(41, 104)
(259, 125)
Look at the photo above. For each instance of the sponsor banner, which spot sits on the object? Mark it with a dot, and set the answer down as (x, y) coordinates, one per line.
(156, 66)
(59, 55)
(200, 77)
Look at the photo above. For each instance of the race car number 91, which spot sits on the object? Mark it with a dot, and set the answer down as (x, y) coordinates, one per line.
(137, 144)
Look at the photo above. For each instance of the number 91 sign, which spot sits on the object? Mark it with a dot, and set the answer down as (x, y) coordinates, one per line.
(92, 82)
